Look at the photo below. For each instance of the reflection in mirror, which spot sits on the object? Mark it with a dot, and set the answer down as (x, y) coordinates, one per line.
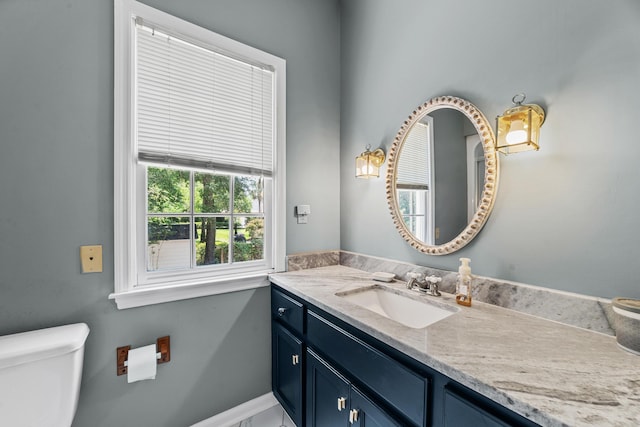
(439, 177)
(475, 173)
(442, 175)
(414, 181)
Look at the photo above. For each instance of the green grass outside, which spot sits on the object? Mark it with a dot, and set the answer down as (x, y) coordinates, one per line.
(222, 235)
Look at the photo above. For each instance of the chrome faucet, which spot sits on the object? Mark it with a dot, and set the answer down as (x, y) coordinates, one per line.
(428, 285)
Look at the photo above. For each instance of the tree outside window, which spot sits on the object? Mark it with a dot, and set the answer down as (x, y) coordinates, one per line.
(193, 220)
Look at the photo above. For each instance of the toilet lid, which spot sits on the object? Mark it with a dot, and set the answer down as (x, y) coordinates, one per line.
(26, 347)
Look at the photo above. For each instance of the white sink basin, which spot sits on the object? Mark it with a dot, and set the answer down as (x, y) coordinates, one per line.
(414, 313)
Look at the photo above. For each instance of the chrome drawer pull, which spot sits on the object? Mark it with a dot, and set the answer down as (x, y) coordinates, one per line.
(294, 359)
(353, 416)
(281, 311)
(342, 403)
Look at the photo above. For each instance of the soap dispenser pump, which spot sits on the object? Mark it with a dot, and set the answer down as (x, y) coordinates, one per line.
(463, 287)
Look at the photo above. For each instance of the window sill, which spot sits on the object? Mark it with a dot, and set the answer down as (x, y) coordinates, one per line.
(161, 294)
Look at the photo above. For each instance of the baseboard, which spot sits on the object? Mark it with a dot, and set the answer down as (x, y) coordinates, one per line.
(236, 414)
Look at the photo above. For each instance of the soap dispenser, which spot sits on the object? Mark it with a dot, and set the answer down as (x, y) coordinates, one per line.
(463, 287)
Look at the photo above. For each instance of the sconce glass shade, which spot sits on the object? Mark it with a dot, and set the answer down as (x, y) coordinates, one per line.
(368, 163)
(518, 128)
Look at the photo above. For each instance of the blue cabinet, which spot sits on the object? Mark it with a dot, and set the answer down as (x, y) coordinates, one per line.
(461, 412)
(389, 381)
(287, 311)
(343, 377)
(327, 394)
(365, 413)
(333, 401)
(287, 371)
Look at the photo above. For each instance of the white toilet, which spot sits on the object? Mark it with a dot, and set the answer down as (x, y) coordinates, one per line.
(40, 373)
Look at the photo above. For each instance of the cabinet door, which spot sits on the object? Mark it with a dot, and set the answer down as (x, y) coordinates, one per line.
(327, 395)
(365, 413)
(287, 371)
(460, 412)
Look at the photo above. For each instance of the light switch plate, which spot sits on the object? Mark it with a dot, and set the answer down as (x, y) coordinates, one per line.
(303, 209)
(91, 258)
(302, 213)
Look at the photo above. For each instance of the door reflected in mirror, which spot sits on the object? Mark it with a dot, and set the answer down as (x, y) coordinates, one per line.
(475, 173)
(442, 173)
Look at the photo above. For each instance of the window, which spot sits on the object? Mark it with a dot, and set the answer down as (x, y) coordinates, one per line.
(199, 160)
(415, 181)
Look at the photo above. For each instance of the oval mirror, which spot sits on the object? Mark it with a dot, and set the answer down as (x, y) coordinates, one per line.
(442, 175)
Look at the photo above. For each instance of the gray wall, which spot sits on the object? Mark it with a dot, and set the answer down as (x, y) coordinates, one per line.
(56, 194)
(566, 216)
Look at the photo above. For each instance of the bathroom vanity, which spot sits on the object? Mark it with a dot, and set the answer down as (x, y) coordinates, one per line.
(348, 376)
(337, 363)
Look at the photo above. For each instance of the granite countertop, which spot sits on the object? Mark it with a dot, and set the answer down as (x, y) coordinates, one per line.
(551, 373)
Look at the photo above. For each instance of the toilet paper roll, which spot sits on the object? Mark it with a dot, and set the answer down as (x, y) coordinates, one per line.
(142, 364)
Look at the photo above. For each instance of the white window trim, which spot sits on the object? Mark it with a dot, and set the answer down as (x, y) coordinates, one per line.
(126, 292)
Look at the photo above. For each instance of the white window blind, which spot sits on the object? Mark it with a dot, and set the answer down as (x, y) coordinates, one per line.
(200, 108)
(415, 162)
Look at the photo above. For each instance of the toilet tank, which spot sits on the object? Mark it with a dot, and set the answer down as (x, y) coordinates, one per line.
(40, 373)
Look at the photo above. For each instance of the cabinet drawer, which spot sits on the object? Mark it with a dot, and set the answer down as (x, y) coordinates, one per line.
(287, 310)
(399, 387)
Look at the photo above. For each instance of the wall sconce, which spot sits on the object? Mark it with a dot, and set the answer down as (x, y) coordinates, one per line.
(519, 127)
(368, 163)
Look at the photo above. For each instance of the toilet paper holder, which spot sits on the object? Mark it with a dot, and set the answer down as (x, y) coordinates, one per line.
(163, 348)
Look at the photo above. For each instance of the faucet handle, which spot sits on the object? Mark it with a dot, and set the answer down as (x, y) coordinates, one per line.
(413, 279)
(433, 285)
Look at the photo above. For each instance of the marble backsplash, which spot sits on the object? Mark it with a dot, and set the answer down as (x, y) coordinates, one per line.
(585, 312)
(304, 261)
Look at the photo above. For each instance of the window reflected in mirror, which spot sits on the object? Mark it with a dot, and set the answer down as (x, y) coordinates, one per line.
(413, 208)
(415, 181)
